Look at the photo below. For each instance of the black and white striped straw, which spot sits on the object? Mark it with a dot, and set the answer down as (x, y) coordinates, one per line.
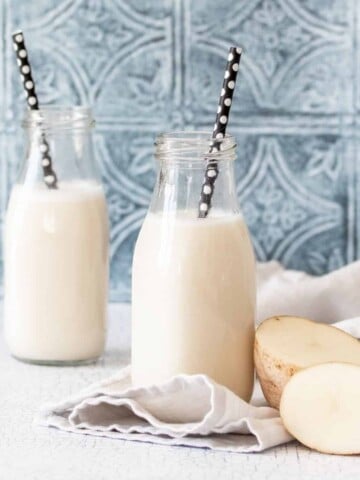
(50, 177)
(222, 119)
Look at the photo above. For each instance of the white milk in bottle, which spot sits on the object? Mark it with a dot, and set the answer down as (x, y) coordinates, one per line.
(56, 250)
(193, 278)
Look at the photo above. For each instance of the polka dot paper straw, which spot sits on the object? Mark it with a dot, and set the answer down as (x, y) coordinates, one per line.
(222, 118)
(50, 178)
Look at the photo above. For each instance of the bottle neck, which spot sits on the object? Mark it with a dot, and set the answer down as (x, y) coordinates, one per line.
(182, 166)
(68, 135)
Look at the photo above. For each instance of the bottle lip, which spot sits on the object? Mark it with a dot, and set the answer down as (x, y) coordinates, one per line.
(59, 117)
(193, 146)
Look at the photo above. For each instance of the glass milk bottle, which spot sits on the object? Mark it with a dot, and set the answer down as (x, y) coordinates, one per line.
(56, 245)
(193, 302)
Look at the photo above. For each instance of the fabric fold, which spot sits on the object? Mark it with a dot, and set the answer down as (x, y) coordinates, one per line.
(189, 410)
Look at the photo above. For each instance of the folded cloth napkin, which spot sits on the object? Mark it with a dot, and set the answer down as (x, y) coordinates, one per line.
(190, 410)
(193, 410)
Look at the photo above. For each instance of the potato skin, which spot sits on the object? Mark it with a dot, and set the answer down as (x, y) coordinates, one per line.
(273, 374)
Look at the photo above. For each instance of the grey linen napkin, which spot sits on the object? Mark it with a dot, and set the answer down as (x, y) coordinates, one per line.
(190, 410)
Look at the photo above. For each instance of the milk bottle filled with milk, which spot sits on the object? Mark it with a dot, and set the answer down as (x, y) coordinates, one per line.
(193, 302)
(56, 244)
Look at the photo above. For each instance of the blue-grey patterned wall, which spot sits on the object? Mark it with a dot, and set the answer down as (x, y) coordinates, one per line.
(151, 65)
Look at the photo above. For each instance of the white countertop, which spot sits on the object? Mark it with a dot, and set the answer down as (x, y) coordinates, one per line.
(37, 453)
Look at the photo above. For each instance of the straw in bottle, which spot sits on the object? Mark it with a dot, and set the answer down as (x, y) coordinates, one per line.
(50, 177)
(222, 119)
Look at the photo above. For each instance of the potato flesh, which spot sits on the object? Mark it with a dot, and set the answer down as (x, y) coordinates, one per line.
(303, 343)
(320, 407)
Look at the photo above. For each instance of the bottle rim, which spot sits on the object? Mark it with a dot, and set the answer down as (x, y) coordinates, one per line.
(59, 117)
(194, 146)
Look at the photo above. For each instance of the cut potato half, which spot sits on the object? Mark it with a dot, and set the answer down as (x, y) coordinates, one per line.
(284, 345)
(320, 408)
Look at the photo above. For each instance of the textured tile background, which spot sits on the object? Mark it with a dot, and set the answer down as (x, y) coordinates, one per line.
(150, 65)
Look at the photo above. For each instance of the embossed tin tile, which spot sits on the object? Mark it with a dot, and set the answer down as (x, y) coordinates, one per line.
(296, 59)
(294, 194)
(146, 66)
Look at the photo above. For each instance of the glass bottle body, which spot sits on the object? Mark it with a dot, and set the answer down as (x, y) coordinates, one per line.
(56, 246)
(193, 278)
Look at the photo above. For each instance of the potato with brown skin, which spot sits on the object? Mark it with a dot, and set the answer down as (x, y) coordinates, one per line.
(284, 345)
